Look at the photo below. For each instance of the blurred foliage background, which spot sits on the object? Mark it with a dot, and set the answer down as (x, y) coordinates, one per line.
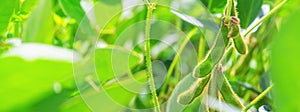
(40, 40)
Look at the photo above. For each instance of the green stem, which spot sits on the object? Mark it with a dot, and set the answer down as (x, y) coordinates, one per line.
(258, 98)
(201, 49)
(275, 9)
(151, 7)
(176, 58)
(229, 8)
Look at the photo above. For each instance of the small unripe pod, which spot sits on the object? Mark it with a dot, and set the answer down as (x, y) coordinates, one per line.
(234, 31)
(225, 31)
(204, 68)
(240, 45)
(215, 55)
(194, 91)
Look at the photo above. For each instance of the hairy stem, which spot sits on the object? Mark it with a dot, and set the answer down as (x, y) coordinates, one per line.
(151, 82)
(229, 8)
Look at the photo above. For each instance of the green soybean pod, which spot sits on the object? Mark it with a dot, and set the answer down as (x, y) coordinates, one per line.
(194, 91)
(203, 68)
(234, 31)
(214, 56)
(225, 31)
(227, 92)
(240, 45)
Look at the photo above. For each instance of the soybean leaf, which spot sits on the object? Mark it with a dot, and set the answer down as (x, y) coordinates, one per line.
(123, 26)
(39, 67)
(285, 69)
(7, 8)
(74, 104)
(110, 10)
(40, 26)
(113, 97)
(215, 6)
(57, 102)
(72, 8)
(108, 98)
(192, 7)
(206, 24)
(248, 10)
(109, 59)
(197, 22)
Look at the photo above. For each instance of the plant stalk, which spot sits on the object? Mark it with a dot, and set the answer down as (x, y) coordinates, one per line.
(201, 49)
(151, 7)
(229, 8)
(258, 98)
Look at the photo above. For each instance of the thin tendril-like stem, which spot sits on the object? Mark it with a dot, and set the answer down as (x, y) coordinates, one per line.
(151, 7)
(258, 98)
(275, 9)
(176, 58)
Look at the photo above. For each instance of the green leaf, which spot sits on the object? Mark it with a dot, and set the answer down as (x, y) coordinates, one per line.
(57, 102)
(40, 26)
(7, 8)
(285, 65)
(110, 10)
(197, 22)
(215, 6)
(248, 10)
(29, 72)
(115, 96)
(72, 8)
(74, 104)
(112, 62)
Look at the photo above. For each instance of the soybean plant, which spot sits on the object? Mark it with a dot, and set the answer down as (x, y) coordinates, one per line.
(209, 68)
(209, 71)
